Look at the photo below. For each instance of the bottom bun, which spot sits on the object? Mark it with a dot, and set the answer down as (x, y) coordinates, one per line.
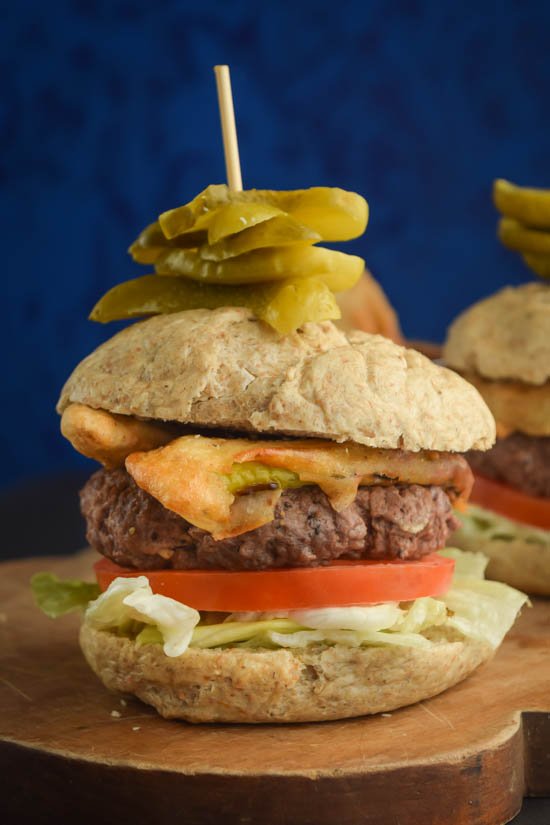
(517, 562)
(518, 555)
(309, 684)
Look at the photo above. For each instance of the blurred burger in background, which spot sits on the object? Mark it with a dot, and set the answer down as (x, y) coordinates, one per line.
(502, 346)
(366, 307)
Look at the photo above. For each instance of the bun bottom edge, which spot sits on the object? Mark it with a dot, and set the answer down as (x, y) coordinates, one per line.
(276, 686)
(522, 564)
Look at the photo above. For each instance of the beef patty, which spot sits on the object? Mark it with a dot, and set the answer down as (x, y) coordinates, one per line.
(523, 461)
(133, 529)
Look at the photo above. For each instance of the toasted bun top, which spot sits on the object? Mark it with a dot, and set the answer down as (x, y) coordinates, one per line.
(505, 336)
(222, 368)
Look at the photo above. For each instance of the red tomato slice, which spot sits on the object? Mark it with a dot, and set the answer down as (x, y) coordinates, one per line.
(339, 584)
(515, 505)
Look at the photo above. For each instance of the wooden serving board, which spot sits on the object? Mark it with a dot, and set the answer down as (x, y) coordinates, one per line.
(72, 752)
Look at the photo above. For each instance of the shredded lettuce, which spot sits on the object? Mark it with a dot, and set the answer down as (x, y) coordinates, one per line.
(149, 635)
(466, 564)
(226, 633)
(473, 607)
(55, 597)
(129, 599)
(363, 618)
(350, 638)
(480, 609)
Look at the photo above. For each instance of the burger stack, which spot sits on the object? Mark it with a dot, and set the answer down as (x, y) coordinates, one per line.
(502, 346)
(274, 491)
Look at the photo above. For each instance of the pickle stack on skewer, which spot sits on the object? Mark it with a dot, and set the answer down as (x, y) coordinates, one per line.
(252, 248)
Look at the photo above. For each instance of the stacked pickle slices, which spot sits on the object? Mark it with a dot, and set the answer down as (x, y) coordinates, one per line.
(253, 248)
(525, 223)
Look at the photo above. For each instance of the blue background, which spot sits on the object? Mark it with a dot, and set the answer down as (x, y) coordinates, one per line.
(108, 116)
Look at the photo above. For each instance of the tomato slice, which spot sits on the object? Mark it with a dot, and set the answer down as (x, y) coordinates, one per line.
(511, 503)
(339, 584)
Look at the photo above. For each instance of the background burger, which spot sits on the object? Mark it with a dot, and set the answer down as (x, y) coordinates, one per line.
(268, 513)
(502, 346)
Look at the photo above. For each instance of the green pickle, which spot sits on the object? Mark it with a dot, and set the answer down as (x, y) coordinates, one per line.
(281, 230)
(253, 249)
(272, 228)
(254, 474)
(540, 264)
(285, 305)
(151, 244)
(336, 269)
(235, 218)
(294, 303)
(337, 215)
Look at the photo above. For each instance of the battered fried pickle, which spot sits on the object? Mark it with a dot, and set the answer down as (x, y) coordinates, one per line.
(110, 438)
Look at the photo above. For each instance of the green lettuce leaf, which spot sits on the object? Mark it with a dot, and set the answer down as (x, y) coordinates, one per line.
(149, 635)
(131, 599)
(479, 609)
(56, 597)
(226, 633)
(473, 607)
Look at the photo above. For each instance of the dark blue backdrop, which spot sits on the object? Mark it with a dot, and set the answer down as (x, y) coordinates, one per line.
(109, 116)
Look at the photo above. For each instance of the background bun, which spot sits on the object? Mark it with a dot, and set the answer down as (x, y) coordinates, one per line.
(306, 685)
(515, 405)
(223, 368)
(366, 306)
(505, 336)
(519, 563)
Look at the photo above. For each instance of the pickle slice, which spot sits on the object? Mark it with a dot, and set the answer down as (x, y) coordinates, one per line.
(295, 302)
(255, 474)
(337, 215)
(285, 305)
(516, 236)
(152, 243)
(529, 206)
(336, 269)
(540, 264)
(234, 229)
(274, 232)
(149, 244)
(238, 217)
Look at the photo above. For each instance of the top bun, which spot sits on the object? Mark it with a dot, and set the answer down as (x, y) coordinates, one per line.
(505, 336)
(223, 368)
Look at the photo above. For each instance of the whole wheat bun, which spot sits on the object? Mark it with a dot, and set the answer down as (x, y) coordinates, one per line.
(517, 407)
(519, 562)
(504, 337)
(223, 368)
(366, 306)
(310, 684)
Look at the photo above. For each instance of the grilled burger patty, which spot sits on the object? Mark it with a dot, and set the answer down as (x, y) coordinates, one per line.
(133, 529)
(523, 461)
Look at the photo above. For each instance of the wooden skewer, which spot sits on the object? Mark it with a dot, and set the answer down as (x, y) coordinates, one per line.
(229, 130)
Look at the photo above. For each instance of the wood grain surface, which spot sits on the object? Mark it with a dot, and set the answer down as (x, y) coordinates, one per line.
(72, 752)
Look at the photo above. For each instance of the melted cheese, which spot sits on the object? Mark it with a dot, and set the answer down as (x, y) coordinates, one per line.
(189, 476)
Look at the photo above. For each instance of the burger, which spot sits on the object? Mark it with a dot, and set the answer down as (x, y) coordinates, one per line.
(501, 345)
(367, 307)
(268, 517)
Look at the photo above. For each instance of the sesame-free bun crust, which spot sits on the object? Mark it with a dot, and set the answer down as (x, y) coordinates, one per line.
(306, 685)
(505, 336)
(223, 368)
(519, 562)
(517, 406)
